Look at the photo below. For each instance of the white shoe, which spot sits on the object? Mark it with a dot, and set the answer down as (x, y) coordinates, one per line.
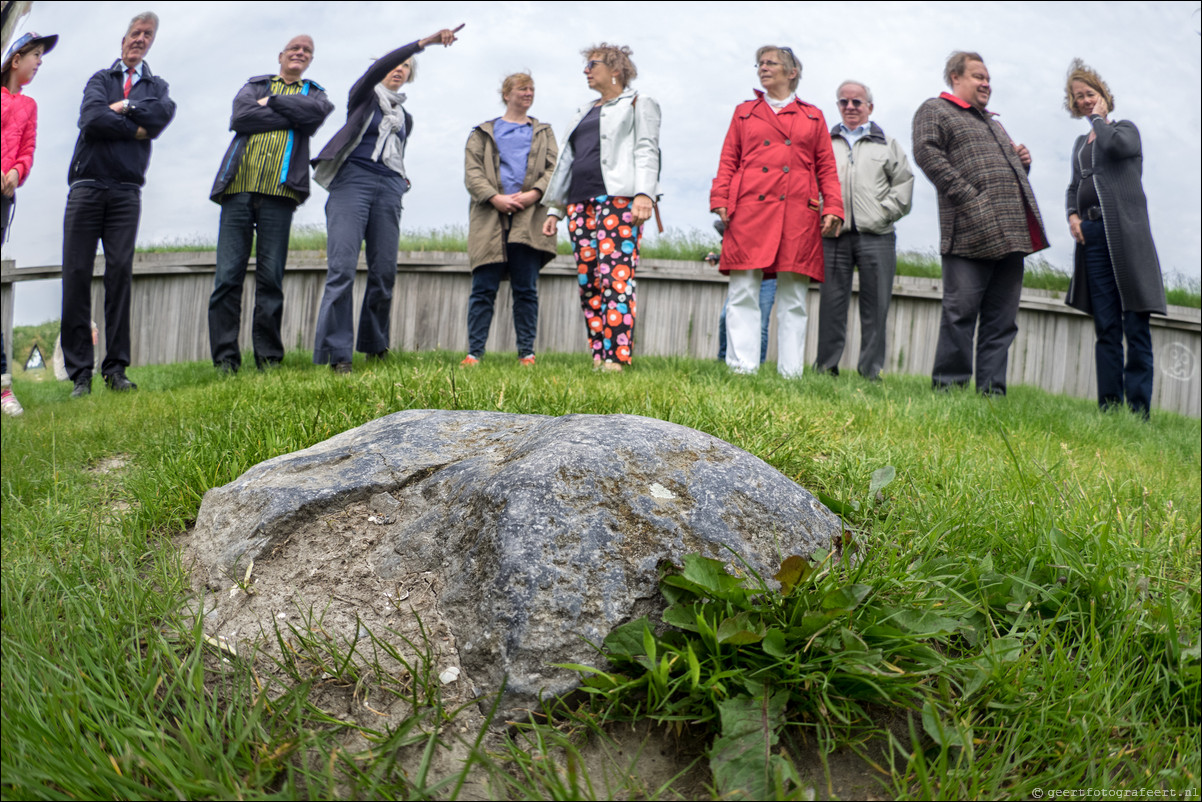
(10, 404)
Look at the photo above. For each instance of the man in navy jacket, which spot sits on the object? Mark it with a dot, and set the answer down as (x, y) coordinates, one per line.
(123, 109)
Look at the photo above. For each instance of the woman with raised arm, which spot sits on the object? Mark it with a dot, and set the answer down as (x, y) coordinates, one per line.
(363, 167)
(1116, 273)
(605, 183)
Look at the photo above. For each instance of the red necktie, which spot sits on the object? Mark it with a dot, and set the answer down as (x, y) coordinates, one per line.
(129, 80)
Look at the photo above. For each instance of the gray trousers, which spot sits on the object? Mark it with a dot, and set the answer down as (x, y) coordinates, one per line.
(364, 208)
(972, 289)
(876, 256)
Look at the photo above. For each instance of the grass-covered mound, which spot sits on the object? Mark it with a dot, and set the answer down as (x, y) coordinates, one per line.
(1016, 607)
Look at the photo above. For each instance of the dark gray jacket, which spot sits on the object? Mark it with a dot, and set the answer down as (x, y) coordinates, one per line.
(301, 115)
(986, 207)
(1117, 174)
(108, 149)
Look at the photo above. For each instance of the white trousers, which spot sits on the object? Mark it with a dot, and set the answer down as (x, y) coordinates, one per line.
(743, 322)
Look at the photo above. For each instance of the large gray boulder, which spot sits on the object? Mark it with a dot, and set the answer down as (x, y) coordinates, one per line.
(537, 534)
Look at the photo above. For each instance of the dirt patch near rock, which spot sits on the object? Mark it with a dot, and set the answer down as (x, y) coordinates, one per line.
(316, 599)
(110, 464)
(316, 606)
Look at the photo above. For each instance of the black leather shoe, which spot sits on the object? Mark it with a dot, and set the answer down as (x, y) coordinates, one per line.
(340, 367)
(83, 386)
(117, 382)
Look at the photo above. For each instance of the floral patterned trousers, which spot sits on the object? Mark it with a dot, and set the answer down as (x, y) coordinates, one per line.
(605, 243)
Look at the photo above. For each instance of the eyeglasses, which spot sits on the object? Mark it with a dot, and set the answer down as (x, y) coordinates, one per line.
(771, 63)
(854, 102)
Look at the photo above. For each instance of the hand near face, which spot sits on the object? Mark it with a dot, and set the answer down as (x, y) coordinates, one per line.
(1024, 155)
(1100, 108)
(831, 225)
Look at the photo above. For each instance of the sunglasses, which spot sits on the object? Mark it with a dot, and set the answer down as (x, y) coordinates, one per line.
(854, 102)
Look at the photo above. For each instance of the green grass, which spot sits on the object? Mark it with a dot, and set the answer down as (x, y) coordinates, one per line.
(691, 245)
(1026, 585)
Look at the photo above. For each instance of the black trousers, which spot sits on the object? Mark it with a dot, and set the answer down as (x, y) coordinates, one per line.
(988, 291)
(107, 215)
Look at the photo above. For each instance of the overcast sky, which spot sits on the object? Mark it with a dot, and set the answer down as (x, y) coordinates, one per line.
(696, 59)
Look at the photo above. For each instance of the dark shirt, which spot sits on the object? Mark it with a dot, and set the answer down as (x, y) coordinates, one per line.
(587, 180)
(361, 155)
(1087, 193)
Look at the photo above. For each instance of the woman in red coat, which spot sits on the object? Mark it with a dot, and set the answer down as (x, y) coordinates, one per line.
(778, 192)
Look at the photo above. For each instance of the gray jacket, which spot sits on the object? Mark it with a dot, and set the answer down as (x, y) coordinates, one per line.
(629, 150)
(876, 179)
(1117, 174)
(986, 207)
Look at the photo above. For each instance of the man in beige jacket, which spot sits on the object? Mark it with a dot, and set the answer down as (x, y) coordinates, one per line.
(877, 188)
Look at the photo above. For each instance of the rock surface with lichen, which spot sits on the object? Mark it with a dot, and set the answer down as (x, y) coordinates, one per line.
(529, 537)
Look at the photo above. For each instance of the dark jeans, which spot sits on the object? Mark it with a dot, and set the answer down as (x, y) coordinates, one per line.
(108, 215)
(524, 263)
(244, 215)
(363, 207)
(1111, 324)
(767, 298)
(972, 289)
(876, 256)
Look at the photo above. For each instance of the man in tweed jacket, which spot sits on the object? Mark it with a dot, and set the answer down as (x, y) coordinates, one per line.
(988, 221)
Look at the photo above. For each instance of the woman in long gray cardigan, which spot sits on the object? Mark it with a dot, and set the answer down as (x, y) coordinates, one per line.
(1116, 273)
(363, 168)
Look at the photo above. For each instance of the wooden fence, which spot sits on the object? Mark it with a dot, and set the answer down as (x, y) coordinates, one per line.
(679, 306)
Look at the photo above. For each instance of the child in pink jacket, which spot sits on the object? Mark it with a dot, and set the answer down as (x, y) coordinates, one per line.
(18, 138)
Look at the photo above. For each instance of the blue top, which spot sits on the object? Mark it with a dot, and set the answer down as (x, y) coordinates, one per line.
(513, 143)
(137, 76)
(854, 135)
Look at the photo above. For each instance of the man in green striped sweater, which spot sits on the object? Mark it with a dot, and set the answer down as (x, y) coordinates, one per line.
(263, 177)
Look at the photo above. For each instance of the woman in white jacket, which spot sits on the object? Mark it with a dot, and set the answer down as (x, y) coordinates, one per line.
(605, 183)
